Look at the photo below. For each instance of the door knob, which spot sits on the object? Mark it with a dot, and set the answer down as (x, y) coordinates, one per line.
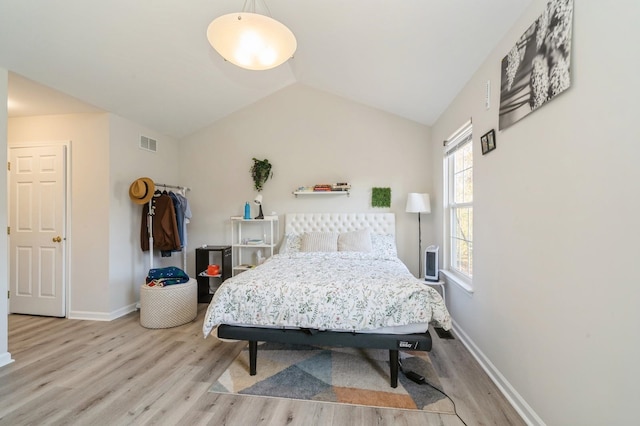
(57, 239)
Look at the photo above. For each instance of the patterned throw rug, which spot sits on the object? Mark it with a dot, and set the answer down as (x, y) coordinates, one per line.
(339, 375)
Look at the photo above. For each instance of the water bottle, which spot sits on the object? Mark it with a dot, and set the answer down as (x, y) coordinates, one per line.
(247, 210)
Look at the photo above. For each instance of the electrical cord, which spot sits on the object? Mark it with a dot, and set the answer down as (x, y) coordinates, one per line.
(415, 377)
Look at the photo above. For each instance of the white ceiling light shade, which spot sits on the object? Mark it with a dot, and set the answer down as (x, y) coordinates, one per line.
(251, 40)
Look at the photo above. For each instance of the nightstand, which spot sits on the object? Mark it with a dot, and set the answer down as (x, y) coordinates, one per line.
(440, 284)
(205, 293)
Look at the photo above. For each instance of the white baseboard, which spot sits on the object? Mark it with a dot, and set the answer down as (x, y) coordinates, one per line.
(123, 311)
(514, 398)
(5, 359)
(88, 315)
(102, 316)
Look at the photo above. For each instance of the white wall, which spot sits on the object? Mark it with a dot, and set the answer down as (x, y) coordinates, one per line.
(5, 356)
(128, 265)
(554, 313)
(107, 265)
(89, 215)
(310, 137)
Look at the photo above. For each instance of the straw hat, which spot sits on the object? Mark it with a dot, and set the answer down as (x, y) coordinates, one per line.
(141, 190)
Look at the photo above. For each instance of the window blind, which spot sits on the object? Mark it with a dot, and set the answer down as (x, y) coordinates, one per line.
(463, 136)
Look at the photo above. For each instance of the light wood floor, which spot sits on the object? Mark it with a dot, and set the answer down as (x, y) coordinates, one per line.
(119, 373)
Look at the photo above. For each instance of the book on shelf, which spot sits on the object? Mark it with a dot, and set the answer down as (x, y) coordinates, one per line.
(341, 186)
(325, 187)
(322, 187)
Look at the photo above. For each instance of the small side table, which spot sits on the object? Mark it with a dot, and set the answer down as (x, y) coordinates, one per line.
(440, 284)
(203, 260)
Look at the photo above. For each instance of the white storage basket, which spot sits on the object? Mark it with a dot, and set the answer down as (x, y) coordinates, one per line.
(170, 306)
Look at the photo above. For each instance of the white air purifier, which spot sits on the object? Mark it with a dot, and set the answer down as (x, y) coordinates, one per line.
(431, 272)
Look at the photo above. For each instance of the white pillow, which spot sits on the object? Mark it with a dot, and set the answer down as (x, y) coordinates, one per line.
(355, 241)
(319, 241)
(384, 246)
(291, 243)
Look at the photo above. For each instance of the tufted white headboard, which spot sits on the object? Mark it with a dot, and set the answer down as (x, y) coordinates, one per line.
(378, 223)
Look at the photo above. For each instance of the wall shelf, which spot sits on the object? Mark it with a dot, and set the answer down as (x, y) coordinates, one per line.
(296, 193)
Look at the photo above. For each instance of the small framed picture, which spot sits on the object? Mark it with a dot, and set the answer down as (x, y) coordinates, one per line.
(488, 141)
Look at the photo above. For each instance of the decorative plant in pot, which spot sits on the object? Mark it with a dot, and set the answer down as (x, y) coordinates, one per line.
(260, 172)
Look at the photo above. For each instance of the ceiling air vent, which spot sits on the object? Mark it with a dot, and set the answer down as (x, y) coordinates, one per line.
(148, 144)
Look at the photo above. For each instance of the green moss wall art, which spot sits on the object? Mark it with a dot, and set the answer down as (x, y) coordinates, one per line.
(381, 197)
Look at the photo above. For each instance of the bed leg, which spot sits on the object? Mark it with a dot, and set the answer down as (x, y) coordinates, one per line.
(393, 366)
(253, 354)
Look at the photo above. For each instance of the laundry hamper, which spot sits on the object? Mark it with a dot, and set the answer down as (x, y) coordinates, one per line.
(169, 306)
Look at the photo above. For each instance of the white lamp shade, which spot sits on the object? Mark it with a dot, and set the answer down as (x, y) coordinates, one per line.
(418, 203)
(251, 41)
(258, 199)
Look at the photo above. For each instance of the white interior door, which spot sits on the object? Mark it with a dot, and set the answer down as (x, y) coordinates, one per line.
(37, 236)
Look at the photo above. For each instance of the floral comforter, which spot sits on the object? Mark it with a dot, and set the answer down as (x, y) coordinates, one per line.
(348, 291)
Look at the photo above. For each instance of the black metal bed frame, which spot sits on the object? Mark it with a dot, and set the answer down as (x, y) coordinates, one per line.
(392, 342)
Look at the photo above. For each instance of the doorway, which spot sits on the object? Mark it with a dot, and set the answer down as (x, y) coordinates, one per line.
(38, 231)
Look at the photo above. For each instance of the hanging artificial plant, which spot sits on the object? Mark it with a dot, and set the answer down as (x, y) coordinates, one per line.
(260, 172)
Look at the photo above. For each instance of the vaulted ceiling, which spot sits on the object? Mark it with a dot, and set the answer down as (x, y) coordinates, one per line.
(150, 61)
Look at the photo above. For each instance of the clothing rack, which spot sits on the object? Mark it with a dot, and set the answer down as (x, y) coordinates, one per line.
(150, 225)
(182, 188)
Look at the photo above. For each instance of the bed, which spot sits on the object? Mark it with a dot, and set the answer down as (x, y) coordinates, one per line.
(336, 281)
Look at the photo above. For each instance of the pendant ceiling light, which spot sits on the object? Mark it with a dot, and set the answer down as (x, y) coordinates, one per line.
(251, 40)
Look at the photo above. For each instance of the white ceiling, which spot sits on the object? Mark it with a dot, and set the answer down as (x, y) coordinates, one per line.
(149, 60)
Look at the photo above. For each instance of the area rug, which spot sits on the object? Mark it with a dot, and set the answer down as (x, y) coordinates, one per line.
(336, 375)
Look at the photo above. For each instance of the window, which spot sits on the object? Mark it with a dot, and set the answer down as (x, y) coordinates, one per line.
(458, 192)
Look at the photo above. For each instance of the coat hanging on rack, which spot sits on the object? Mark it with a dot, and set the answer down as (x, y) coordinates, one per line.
(183, 214)
(162, 232)
(164, 226)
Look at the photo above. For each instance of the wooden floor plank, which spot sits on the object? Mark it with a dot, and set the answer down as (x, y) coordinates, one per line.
(119, 373)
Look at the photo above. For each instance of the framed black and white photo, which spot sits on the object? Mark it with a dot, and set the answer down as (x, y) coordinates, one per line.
(488, 141)
(537, 68)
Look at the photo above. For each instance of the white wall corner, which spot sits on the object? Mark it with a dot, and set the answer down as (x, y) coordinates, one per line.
(451, 278)
(124, 311)
(514, 398)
